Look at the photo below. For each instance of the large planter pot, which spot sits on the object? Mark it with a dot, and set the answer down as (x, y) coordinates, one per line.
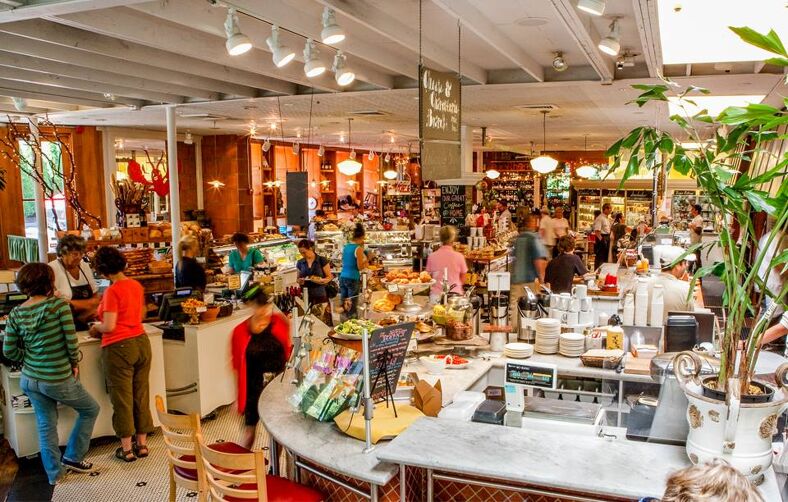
(738, 432)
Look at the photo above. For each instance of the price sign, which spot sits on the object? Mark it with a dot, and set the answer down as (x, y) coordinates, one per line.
(392, 288)
(234, 282)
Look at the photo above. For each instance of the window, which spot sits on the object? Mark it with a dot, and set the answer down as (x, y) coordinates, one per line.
(55, 203)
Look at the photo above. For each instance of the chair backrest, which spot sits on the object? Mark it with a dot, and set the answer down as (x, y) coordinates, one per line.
(179, 433)
(226, 473)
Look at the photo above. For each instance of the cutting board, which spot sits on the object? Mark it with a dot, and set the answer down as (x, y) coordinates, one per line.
(635, 366)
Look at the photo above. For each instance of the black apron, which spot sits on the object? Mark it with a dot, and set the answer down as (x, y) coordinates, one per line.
(83, 292)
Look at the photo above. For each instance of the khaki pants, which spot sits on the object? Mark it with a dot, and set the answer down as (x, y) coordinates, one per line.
(517, 291)
(127, 367)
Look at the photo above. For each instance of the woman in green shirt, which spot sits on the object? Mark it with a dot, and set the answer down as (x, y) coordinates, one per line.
(243, 259)
(40, 333)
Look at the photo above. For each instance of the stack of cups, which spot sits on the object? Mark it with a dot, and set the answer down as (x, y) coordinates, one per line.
(641, 303)
(629, 309)
(657, 306)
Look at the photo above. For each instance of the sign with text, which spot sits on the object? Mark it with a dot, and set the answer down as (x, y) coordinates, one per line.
(387, 348)
(440, 104)
(453, 202)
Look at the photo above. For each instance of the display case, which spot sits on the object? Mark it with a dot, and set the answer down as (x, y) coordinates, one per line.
(616, 199)
(514, 189)
(329, 244)
(394, 247)
(588, 201)
(638, 207)
(281, 252)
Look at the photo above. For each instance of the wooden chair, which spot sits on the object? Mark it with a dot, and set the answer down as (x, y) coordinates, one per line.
(183, 457)
(241, 477)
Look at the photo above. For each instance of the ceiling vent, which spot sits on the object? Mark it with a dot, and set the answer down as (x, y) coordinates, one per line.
(368, 113)
(537, 107)
(203, 116)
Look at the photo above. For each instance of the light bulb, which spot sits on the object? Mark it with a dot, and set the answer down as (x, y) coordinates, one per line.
(332, 33)
(237, 43)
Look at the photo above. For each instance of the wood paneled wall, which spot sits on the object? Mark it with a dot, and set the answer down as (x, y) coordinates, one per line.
(187, 177)
(89, 178)
(226, 158)
(11, 216)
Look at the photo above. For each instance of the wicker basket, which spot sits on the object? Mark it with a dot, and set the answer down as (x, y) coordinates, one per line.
(459, 332)
(601, 358)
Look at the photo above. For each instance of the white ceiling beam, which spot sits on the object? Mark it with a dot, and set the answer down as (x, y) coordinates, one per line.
(103, 77)
(205, 18)
(37, 9)
(475, 20)
(363, 13)
(586, 37)
(48, 106)
(86, 61)
(133, 26)
(647, 21)
(68, 36)
(54, 80)
(60, 95)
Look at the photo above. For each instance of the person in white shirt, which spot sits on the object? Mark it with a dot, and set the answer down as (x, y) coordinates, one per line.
(504, 218)
(601, 229)
(673, 279)
(696, 229)
(74, 281)
(560, 226)
(546, 231)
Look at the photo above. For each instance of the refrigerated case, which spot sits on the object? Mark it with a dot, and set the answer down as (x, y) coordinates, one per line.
(682, 201)
(588, 201)
(616, 199)
(638, 207)
(393, 246)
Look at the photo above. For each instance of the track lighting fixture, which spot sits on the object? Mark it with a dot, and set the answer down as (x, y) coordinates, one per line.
(342, 75)
(189, 139)
(266, 145)
(387, 158)
(559, 63)
(321, 150)
(371, 155)
(593, 7)
(296, 148)
(237, 43)
(611, 44)
(281, 54)
(332, 33)
(313, 66)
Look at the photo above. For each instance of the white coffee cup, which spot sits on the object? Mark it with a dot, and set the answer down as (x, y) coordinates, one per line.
(555, 301)
(566, 301)
(574, 305)
(570, 318)
(556, 313)
(585, 304)
(585, 317)
(580, 291)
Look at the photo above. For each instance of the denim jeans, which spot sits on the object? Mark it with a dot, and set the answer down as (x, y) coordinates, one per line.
(349, 288)
(45, 396)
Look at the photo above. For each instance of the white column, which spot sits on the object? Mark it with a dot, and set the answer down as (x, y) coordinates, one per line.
(198, 174)
(110, 167)
(172, 168)
(41, 209)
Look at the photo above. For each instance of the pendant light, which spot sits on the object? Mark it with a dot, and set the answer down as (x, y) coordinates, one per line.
(342, 74)
(281, 54)
(237, 43)
(350, 166)
(544, 164)
(371, 155)
(332, 33)
(611, 44)
(313, 66)
(493, 174)
(586, 171)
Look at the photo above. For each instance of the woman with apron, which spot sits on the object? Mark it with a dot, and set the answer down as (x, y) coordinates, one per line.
(74, 280)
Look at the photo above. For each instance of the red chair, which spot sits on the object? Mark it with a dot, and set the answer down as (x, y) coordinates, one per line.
(241, 477)
(185, 469)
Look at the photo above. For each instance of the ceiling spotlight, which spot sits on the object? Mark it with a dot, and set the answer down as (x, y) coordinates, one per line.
(266, 145)
(281, 54)
(611, 44)
(296, 148)
(252, 129)
(371, 155)
(352, 155)
(342, 75)
(109, 96)
(237, 42)
(313, 66)
(216, 184)
(392, 139)
(332, 33)
(273, 126)
(19, 103)
(341, 137)
(189, 139)
(559, 63)
(321, 151)
(593, 7)
(387, 158)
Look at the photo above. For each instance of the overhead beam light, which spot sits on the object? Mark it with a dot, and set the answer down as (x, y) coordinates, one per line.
(313, 66)
(237, 43)
(189, 138)
(593, 7)
(332, 33)
(559, 63)
(611, 44)
(342, 74)
(321, 150)
(281, 54)
(19, 103)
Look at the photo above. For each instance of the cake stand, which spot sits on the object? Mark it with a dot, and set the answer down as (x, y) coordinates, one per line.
(408, 305)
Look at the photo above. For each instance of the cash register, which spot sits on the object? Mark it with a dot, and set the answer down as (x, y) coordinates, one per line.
(10, 300)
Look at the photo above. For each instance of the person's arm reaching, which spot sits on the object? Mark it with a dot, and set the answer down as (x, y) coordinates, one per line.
(778, 330)
(540, 264)
(361, 259)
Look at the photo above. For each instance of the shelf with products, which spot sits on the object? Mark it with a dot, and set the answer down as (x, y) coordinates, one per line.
(588, 201)
(638, 207)
(514, 189)
(431, 204)
(616, 199)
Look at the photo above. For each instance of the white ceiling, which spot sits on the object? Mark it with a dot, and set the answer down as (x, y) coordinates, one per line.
(115, 63)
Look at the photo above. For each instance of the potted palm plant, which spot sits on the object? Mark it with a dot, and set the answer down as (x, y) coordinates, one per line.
(731, 415)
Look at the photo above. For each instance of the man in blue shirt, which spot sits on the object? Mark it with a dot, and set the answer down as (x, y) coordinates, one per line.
(530, 261)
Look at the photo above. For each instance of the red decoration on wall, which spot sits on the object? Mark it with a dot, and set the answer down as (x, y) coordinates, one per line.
(136, 174)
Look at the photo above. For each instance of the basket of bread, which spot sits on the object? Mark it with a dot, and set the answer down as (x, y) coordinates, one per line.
(402, 277)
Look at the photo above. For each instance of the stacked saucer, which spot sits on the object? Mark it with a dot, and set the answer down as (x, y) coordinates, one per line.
(572, 344)
(518, 350)
(547, 334)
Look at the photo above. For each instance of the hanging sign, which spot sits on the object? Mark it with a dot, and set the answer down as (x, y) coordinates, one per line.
(440, 106)
(453, 202)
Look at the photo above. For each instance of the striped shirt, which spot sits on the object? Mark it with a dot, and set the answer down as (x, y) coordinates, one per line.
(43, 337)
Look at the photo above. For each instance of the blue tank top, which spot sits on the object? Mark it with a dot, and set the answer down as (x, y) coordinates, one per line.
(349, 263)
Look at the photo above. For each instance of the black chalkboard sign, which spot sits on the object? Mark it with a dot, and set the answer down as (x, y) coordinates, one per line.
(453, 201)
(387, 348)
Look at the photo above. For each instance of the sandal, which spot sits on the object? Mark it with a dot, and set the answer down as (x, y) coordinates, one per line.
(125, 455)
(141, 451)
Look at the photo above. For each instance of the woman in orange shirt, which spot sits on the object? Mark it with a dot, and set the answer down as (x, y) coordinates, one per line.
(126, 354)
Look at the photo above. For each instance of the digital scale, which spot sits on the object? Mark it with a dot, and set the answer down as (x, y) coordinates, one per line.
(521, 376)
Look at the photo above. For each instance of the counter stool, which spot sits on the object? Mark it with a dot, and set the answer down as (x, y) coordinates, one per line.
(241, 477)
(183, 458)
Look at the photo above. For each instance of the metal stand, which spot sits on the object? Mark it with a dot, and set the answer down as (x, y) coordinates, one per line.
(369, 406)
(408, 305)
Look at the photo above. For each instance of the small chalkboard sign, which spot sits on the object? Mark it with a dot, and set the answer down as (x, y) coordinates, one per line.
(387, 348)
(453, 201)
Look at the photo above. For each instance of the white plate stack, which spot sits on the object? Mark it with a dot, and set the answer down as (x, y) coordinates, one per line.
(518, 350)
(547, 334)
(572, 344)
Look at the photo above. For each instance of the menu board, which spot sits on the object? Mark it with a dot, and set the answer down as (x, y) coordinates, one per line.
(387, 348)
(453, 202)
(440, 106)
